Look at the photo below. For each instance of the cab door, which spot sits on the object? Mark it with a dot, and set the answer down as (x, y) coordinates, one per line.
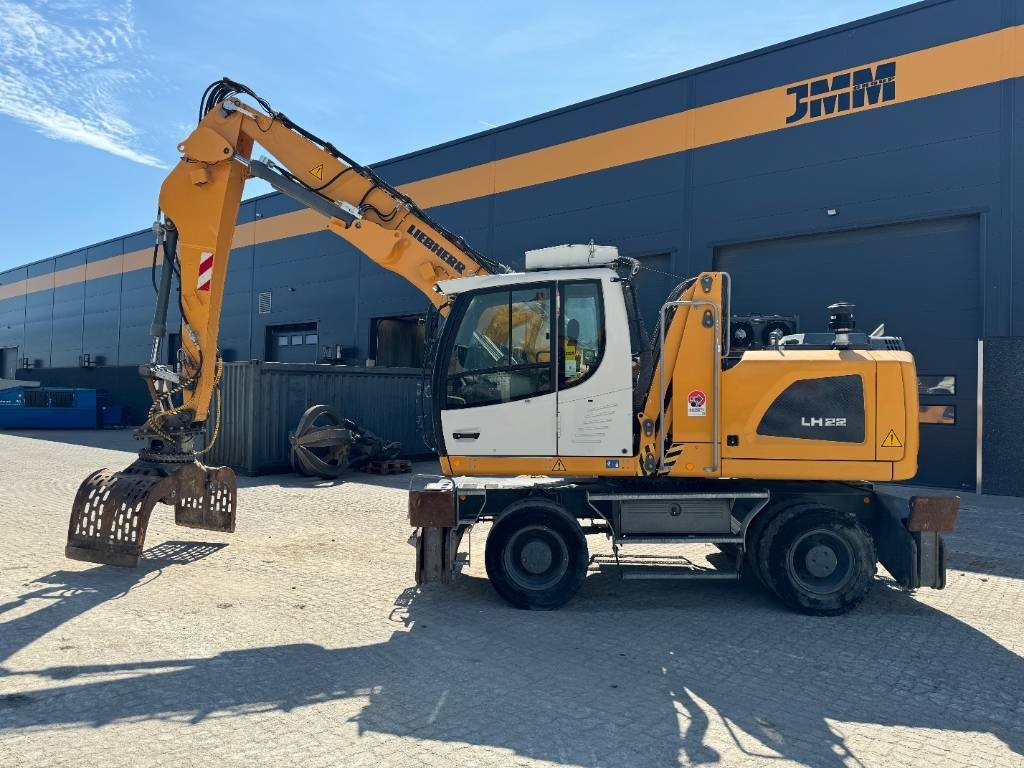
(500, 395)
(595, 386)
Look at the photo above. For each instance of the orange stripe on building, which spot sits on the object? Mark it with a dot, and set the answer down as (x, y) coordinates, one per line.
(968, 63)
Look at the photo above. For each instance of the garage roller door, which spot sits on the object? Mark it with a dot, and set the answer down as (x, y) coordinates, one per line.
(921, 280)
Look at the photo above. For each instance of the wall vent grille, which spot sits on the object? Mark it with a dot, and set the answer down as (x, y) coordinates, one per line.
(265, 303)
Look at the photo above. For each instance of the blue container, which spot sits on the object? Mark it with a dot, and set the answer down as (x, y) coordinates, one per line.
(112, 415)
(48, 408)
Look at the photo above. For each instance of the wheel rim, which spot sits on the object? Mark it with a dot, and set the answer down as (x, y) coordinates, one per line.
(820, 562)
(535, 557)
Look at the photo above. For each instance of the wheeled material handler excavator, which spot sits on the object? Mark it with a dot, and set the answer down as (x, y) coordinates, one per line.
(552, 413)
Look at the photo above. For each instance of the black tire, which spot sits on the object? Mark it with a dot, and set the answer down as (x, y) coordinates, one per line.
(536, 555)
(755, 536)
(819, 561)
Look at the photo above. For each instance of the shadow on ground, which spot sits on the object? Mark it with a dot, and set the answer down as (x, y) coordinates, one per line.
(68, 594)
(620, 677)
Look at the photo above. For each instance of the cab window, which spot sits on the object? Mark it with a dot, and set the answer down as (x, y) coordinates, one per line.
(502, 349)
(582, 331)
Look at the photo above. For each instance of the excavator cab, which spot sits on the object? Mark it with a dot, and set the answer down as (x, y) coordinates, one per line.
(536, 365)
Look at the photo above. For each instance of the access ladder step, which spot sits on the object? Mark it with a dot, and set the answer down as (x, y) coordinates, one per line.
(387, 466)
(640, 573)
(695, 539)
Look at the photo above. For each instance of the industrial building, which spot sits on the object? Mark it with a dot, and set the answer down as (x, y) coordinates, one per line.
(874, 163)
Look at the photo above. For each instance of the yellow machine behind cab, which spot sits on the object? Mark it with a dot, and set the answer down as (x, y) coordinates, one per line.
(553, 413)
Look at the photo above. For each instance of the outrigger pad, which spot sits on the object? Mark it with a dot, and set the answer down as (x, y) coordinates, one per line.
(112, 509)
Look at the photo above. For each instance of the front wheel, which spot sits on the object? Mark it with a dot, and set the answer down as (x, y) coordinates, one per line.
(536, 555)
(817, 560)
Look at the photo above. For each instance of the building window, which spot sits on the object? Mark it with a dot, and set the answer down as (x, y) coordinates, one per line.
(936, 384)
(937, 414)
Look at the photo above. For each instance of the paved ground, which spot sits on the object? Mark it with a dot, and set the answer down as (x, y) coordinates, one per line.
(301, 641)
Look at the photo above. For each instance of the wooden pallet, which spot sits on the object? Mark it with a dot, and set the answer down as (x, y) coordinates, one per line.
(387, 466)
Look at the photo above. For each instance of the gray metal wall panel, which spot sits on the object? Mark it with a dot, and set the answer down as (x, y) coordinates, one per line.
(38, 319)
(12, 324)
(101, 323)
(37, 269)
(247, 211)
(641, 182)
(240, 271)
(68, 314)
(12, 313)
(628, 206)
(273, 205)
(137, 241)
(136, 314)
(1003, 441)
(1014, 190)
(235, 320)
(464, 216)
(71, 259)
(634, 106)
(451, 157)
(925, 170)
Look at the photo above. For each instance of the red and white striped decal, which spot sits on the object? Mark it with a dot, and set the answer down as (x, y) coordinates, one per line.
(205, 271)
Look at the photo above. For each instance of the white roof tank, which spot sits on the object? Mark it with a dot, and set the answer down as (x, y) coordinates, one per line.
(569, 256)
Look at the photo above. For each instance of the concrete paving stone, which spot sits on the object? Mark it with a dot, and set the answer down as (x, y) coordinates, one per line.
(302, 640)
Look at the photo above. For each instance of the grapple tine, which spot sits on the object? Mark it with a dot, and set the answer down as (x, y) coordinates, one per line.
(206, 498)
(111, 511)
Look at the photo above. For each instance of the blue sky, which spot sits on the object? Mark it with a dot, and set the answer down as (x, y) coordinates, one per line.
(95, 96)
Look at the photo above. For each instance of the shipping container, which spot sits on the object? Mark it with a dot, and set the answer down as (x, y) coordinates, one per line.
(261, 404)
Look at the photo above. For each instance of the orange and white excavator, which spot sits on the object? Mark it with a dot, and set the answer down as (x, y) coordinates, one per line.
(548, 404)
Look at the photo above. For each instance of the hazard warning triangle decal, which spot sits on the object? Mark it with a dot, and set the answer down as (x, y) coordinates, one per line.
(559, 466)
(317, 171)
(891, 441)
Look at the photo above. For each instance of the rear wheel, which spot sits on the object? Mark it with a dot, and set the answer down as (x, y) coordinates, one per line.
(817, 560)
(755, 536)
(536, 555)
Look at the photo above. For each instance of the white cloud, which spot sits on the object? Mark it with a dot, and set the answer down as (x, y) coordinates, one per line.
(64, 65)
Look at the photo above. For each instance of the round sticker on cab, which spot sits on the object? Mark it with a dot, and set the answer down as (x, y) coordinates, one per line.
(696, 403)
